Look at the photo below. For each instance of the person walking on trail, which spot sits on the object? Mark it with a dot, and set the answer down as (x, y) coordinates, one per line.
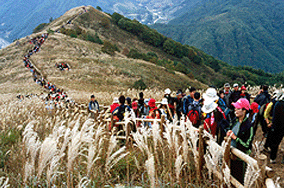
(187, 100)
(242, 133)
(268, 116)
(165, 110)
(277, 128)
(178, 104)
(227, 94)
(114, 104)
(210, 104)
(93, 106)
(170, 99)
(263, 96)
(194, 110)
(262, 99)
(235, 95)
(244, 94)
(141, 104)
(119, 113)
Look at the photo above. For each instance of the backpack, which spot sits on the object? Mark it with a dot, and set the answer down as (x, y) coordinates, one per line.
(194, 113)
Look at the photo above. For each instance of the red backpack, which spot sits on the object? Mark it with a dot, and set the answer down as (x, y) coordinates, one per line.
(193, 115)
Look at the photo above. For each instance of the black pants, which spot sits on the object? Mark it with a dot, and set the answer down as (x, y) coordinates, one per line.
(275, 140)
(238, 168)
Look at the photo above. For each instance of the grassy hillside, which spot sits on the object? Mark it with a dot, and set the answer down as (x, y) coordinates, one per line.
(106, 55)
(237, 32)
(91, 69)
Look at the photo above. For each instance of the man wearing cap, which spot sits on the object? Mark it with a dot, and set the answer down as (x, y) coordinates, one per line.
(93, 106)
(227, 93)
(235, 95)
(242, 133)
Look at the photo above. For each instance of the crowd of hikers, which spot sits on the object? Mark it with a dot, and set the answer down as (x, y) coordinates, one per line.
(227, 112)
(56, 97)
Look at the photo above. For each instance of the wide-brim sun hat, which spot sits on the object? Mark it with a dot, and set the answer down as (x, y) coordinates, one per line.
(168, 91)
(164, 101)
(115, 100)
(210, 96)
(209, 107)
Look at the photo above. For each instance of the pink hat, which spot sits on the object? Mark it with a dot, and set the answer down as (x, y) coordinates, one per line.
(241, 103)
(152, 103)
(254, 107)
(243, 88)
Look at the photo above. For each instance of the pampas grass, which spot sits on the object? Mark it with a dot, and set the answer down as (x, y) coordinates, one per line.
(69, 149)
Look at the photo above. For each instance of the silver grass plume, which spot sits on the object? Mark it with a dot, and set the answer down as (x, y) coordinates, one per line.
(140, 138)
(178, 166)
(227, 175)
(47, 152)
(150, 167)
(84, 182)
(115, 157)
(251, 175)
(4, 183)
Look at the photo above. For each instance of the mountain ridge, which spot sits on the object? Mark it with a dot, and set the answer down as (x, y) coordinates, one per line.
(237, 32)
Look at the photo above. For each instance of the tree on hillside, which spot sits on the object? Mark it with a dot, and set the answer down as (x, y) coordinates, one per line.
(99, 8)
(116, 17)
(105, 22)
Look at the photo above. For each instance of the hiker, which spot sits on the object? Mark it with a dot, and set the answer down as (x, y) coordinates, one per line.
(178, 104)
(222, 103)
(268, 117)
(277, 128)
(119, 113)
(154, 112)
(253, 116)
(164, 109)
(263, 96)
(235, 95)
(93, 106)
(187, 100)
(242, 133)
(170, 99)
(210, 97)
(134, 105)
(262, 99)
(140, 104)
(114, 104)
(128, 102)
(244, 94)
(194, 110)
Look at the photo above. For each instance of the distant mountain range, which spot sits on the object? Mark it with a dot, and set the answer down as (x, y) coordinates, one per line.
(240, 32)
(19, 18)
(3, 43)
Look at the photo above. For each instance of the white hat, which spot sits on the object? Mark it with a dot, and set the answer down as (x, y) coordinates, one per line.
(209, 107)
(236, 85)
(167, 91)
(164, 101)
(115, 100)
(210, 96)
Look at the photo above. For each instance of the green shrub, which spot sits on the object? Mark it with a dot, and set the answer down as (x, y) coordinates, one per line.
(40, 27)
(139, 84)
(109, 48)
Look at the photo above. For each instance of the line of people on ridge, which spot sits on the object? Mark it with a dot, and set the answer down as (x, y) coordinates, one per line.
(57, 98)
(226, 113)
